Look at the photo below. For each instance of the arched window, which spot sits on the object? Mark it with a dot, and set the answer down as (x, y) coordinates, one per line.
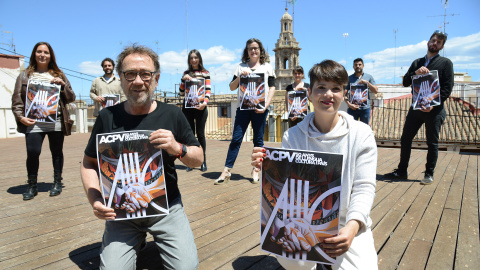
(285, 63)
(286, 26)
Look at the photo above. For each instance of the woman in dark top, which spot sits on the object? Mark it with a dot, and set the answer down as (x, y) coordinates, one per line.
(297, 85)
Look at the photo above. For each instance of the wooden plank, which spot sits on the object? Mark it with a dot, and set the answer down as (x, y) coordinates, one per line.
(426, 230)
(468, 242)
(254, 257)
(228, 253)
(217, 231)
(416, 255)
(454, 199)
(443, 250)
(211, 250)
(413, 203)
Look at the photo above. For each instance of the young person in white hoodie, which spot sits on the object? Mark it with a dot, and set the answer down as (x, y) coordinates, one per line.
(330, 130)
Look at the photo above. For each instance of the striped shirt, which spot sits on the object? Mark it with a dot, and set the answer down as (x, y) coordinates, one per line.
(198, 74)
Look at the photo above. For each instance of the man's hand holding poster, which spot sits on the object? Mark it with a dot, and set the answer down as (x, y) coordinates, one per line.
(110, 100)
(131, 174)
(358, 94)
(41, 102)
(252, 91)
(426, 90)
(300, 203)
(194, 92)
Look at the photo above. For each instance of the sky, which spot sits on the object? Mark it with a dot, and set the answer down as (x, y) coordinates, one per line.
(82, 33)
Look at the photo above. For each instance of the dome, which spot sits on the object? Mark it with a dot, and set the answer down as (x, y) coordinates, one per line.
(286, 16)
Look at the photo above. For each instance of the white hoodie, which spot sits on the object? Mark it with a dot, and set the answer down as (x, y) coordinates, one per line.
(356, 142)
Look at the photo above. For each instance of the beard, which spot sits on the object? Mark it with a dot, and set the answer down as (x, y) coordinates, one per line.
(433, 49)
(143, 99)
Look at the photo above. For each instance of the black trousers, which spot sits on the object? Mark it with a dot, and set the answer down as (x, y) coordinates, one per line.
(34, 143)
(433, 121)
(197, 120)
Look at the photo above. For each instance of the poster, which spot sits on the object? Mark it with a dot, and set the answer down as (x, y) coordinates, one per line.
(194, 92)
(358, 94)
(297, 104)
(110, 100)
(131, 174)
(426, 90)
(252, 91)
(300, 203)
(41, 102)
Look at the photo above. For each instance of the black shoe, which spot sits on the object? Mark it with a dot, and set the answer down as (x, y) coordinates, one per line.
(203, 168)
(57, 185)
(189, 169)
(397, 174)
(427, 180)
(32, 188)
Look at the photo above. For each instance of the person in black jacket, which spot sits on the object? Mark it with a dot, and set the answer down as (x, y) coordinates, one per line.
(434, 116)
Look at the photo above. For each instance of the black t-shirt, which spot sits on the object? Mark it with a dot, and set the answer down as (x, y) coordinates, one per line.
(290, 86)
(165, 116)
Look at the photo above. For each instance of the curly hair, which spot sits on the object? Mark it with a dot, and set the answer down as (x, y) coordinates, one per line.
(263, 55)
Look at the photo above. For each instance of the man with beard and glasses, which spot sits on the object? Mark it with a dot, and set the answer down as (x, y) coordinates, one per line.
(139, 72)
(432, 117)
(360, 77)
(105, 85)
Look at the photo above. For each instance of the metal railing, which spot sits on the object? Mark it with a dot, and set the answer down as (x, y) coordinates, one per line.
(461, 126)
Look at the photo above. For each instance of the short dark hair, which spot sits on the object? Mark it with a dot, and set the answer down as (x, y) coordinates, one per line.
(358, 59)
(138, 49)
(328, 70)
(440, 35)
(263, 56)
(108, 60)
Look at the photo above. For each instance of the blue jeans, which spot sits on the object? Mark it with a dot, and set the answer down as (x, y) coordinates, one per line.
(363, 115)
(242, 119)
(172, 234)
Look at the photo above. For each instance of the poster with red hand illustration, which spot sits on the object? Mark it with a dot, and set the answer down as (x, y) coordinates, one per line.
(131, 174)
(252, 91)
(41, 102)
(194, 92)
(300, 203)
(358, 94)
(426, 90)
(297, 104)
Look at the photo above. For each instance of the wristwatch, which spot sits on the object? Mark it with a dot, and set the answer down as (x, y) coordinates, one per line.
(184, 151)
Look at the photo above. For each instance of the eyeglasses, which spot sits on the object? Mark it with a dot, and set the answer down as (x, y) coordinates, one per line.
(132, 75)
(254, 49)
(440, 33)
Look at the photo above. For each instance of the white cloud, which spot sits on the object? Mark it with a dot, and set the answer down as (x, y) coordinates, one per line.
(91, 67)
(176, 62)
(217, 55)
(463, 51)
(223, 73)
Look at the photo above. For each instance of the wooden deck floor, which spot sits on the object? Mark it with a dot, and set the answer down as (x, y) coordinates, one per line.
(414, 226)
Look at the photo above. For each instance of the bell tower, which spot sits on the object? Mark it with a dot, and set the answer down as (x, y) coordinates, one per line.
(286, 53)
